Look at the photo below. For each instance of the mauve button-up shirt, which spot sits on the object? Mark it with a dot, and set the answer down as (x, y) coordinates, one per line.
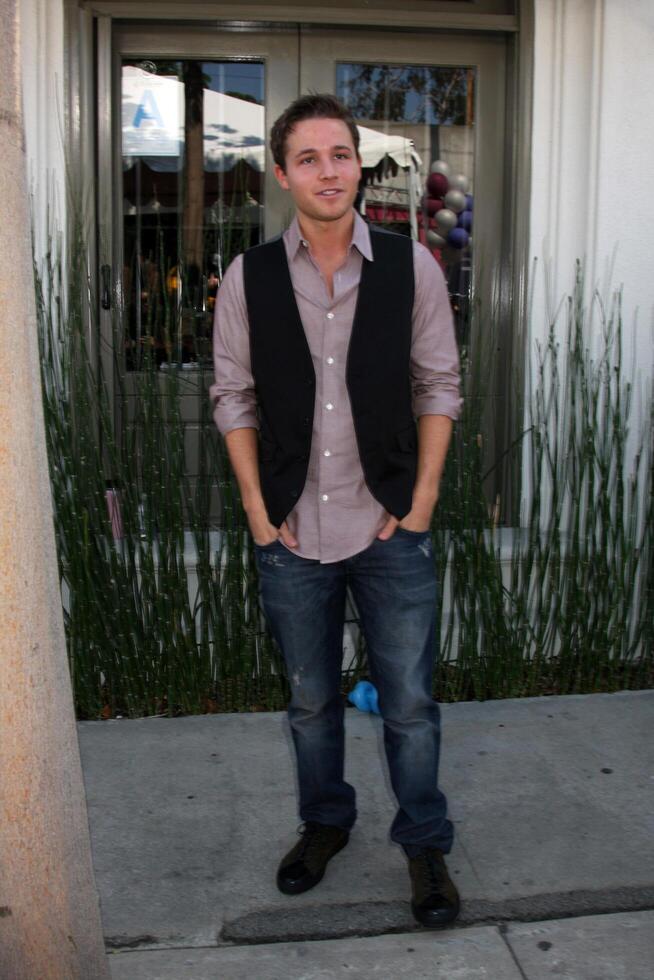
(336, 515)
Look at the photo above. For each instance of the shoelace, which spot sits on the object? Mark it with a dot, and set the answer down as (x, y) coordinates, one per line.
(432, 871)
(312, 833)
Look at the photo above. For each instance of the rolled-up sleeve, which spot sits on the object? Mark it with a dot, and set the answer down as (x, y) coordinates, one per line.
(232, 394)
(435, 373)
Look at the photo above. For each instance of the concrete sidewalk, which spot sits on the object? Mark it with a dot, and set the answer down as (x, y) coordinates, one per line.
(598, 947)
(552, 801)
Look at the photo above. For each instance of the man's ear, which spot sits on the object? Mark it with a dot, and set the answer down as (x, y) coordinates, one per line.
(280, 174)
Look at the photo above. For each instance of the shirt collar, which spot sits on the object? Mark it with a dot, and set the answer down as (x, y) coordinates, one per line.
(360, 237)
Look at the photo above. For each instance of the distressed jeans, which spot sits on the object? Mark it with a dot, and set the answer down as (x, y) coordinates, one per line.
(394, 586)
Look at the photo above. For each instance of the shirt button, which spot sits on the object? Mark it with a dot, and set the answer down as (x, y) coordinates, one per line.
(329, 406)
(325, 496)
(327, 452)
(330, 360)
(330, 316)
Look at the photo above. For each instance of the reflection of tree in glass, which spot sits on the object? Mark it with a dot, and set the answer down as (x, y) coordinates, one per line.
(192, 231)
(194, 80)
(399, 93)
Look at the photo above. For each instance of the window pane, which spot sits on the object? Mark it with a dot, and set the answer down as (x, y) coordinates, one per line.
(193, 149)
(417, 119)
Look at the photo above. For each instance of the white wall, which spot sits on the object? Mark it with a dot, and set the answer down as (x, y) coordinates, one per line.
(592, 179)
(593, 155)
(42, 52)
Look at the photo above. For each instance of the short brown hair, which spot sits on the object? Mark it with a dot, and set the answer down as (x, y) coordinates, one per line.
(323, 106)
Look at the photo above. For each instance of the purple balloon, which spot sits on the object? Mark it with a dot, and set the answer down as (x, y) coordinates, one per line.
(458, 237)
(465, 220)
(468, 202)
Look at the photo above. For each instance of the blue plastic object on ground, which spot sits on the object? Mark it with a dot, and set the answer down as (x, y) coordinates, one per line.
(364, 697)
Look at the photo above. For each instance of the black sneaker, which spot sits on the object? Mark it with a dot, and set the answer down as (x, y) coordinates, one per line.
(435, 900)
(304, 865)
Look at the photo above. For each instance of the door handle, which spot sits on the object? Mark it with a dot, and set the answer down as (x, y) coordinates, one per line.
(105, 294)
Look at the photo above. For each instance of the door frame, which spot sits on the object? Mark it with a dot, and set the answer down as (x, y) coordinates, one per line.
(321, 51)
(88, 28)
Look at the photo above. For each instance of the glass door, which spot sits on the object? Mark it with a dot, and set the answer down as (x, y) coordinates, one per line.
(431, 114)
(193, 184)
(431, 111)
(188, 184)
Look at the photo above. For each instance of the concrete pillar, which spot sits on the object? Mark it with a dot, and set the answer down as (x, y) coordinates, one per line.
(50, 926)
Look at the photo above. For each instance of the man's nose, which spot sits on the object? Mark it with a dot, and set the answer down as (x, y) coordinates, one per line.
(327, 170)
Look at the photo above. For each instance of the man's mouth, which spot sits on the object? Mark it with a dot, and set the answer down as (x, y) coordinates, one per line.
(330, 192)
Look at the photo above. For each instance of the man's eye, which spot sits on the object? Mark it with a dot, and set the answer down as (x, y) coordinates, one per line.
(342, 156)
(307, 160)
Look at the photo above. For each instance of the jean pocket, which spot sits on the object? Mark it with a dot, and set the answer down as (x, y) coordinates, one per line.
(262, 547)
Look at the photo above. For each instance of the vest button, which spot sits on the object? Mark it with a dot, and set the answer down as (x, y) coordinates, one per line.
(309, 382)
(294, 494)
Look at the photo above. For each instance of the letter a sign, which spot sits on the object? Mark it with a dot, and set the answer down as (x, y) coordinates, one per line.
(152, 114)
(147, 109)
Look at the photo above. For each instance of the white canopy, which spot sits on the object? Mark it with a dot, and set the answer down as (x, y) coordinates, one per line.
(234, 129)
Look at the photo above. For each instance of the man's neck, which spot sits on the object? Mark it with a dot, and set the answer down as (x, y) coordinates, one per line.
(327, 238)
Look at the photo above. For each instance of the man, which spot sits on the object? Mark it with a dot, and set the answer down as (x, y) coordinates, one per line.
(327, 342)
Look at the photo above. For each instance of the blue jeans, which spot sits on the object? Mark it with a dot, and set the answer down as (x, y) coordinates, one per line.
(394, 586)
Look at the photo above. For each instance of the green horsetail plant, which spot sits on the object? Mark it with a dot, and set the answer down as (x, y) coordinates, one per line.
(141, 639)
(563, 603)
(159, 583)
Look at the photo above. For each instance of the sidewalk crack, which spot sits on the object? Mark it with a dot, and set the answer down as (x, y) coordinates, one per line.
(469, 859)
(504, 930)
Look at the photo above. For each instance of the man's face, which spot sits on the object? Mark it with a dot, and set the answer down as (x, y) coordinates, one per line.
(322, 170)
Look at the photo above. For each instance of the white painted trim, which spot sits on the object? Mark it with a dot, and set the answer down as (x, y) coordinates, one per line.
(329, 14)
(42, 69)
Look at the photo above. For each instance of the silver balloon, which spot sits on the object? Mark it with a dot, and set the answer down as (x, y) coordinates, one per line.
(446, 220)
(435, 240)
(440, 167)
(459, 182)
(455, 200)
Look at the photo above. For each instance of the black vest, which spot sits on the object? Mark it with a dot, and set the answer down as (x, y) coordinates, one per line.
(377, 374)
